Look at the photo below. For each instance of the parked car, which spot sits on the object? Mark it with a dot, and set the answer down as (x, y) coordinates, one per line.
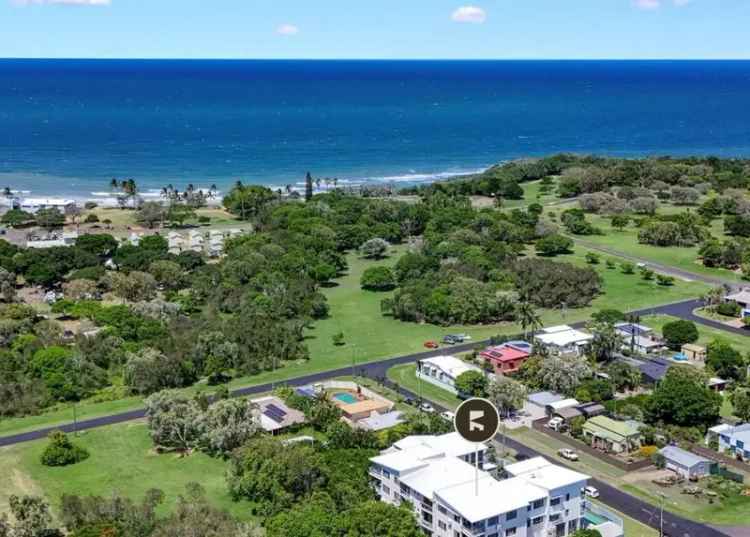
(555, 424)
(591, 492)
(568, 454)
(410, 401)
(431, 344)
(427, 407)
(451, 340)
(448, 416)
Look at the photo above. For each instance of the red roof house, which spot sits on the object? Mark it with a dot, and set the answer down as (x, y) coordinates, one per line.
(505, 358)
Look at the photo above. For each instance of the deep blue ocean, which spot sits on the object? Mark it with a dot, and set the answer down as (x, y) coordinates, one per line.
(69, 126)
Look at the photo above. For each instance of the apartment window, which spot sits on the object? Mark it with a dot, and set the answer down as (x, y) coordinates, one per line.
(493, 521)
(442, 510)
(442, 525)
(387, 474)
(567, 497)
(538, 504)
(511, 515)
(510, 531)
(572, 526)
(537, 520)
(386, 491)
(427, 517)
(554, 518)
(555, 501)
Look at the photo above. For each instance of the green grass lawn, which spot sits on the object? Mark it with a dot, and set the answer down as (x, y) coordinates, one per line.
(405, 376)
(706, 334)
(685, 258)
(122, 460)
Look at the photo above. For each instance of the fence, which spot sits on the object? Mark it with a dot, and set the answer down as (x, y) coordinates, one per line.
(577, 444)
(716, 456)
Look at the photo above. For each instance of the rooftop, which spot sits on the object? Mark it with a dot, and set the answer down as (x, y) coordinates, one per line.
(504, 354)
(682, 457)
(439, 474)
(542, 473)
(450, 365)
(564, 337)
(604, 426)
(275, 415)
(544, 398)
(368, 405)
(563, 403)
(494, 498)
(408, 460)
(378, 422)
(742, 296)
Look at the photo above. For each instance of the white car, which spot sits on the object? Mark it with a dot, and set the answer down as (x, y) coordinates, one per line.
(568, 454)
(427, 407)
(448, 416)
(590, 491)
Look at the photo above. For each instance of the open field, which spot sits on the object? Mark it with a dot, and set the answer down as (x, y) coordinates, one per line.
(122, 460)
(685, 258)
(370, 336)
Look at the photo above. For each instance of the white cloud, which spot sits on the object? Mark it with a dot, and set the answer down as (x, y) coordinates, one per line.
(287, 29)
(471, 14)
(63, 2)
(647, 5)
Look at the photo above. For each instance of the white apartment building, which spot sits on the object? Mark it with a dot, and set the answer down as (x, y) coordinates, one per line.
(434, 474)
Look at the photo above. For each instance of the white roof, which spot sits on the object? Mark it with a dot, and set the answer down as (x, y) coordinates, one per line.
(404, 461)
(565, 403)
(556, 329)
(563, 338)
(451, 444)
(741, 296)
(542, 473)
(722, 427)
(494, 498)
(46, 201)
(439, 474)
(450, 365)
(715, 381)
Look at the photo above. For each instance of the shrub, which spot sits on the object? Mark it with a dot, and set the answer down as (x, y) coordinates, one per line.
(89, 205)
(663, 279)
(203, 219)
(91, 219)
(378, 279)
(338, 339)
(554, 244)
(627, 268)
(61, 451)
(646, 452)
(592, 258)
(730, 309)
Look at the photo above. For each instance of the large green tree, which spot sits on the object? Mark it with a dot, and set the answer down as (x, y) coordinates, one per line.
(682, 398)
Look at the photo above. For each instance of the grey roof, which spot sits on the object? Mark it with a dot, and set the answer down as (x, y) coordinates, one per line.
(568, 413)
(378, 422)
(544, 398)
(682, 457)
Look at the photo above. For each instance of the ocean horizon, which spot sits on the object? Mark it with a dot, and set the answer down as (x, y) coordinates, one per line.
(70, 126)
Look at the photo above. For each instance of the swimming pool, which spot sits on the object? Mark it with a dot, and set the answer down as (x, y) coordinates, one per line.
(345, 397)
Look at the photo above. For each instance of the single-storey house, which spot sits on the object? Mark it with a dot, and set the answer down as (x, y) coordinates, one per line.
(734, 440)
(508, 357)
(654, 369)
(442, 371)
(694, 352)
(742, 298)
(365, 409)
(638, 337)
(275, 415)
(686, 464)
(539, 400)
(33, 205)
(592, 409)
(612, 435)
(556, 406)
(563, 339)
(568, 413)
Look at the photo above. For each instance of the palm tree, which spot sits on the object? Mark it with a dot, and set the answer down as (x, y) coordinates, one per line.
(529, 318)
(241, 191)
(114, 184)
(7, 192)
(212, 191)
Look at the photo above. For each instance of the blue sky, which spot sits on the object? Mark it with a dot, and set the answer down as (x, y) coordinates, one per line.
(375, 29)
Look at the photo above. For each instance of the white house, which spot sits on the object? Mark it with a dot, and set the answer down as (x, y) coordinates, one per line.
(641, 338)
(686, 464)
(32, 205)
(563, 339)
(536, 501)
(442, 371)
(742, 298)
(733, 439)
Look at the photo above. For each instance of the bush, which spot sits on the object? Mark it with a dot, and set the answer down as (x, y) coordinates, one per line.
(627, 268)
(646, 452)
(203, 219)
(663, 279)
(677, 333)
(554, 244)
(91, 219)
(89, 205)
(61, 451)
(378, 279)
(592, 258)
(730, 309)
(338, 339)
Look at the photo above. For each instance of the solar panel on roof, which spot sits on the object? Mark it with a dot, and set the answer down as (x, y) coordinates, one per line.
(274, 413)
(273, 417)
(276, 409)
